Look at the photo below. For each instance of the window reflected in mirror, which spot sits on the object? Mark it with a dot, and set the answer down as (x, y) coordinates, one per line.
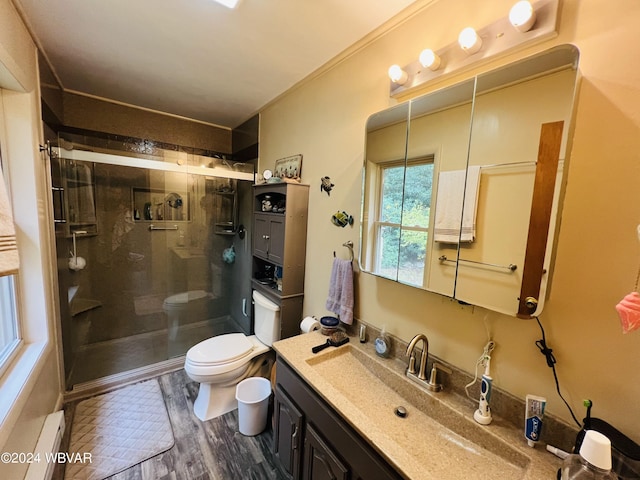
(403, 223)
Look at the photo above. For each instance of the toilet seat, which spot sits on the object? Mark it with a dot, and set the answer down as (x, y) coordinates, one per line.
(180, 299)
(207, 357)
(220, 350)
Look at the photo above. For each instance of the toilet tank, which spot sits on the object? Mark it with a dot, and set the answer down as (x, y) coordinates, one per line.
(267, 319)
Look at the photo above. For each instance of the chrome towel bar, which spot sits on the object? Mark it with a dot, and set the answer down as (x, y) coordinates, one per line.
(162, 227)
(511, 267)
(349, 245)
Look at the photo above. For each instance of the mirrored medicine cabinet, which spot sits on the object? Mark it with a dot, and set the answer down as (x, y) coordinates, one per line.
(463, 186)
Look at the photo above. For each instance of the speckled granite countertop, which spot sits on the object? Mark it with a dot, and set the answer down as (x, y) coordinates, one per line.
(438, 439)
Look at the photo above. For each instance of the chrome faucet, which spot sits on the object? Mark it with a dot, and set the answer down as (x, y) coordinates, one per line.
(411, 370)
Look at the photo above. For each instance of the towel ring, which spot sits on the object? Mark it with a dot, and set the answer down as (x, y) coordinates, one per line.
(349, 245)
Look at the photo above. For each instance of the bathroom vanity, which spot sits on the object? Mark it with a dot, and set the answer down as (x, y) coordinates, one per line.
(312, 441)
(335, 417)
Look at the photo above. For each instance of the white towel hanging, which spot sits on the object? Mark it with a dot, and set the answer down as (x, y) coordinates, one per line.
(454, 224)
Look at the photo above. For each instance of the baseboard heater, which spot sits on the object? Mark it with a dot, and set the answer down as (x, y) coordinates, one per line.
(48, 444)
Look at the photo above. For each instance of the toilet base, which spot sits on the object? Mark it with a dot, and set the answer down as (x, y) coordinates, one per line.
(214, 400)
(224, 401)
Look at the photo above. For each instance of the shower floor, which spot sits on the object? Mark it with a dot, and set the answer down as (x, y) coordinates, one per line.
(110, 357)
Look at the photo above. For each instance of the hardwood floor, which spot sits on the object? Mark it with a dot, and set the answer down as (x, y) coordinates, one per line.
(212, 450)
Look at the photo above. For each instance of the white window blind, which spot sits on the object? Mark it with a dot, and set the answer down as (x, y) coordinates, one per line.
(9, 261)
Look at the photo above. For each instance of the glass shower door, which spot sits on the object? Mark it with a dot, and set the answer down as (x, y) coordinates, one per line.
(191, 231)
(157, 263)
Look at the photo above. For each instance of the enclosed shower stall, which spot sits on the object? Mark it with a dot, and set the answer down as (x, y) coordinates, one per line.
(153, 256)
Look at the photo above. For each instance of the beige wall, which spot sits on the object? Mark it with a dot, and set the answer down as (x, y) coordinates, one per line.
(598, 250)
(44, 399)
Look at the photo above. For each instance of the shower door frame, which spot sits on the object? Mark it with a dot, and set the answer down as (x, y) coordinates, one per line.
(180, 166)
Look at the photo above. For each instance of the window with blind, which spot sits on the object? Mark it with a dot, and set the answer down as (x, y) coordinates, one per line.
(8, 267)
(8, 324)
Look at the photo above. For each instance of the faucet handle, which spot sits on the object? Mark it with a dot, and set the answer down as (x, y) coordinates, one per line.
(433, 384)
(412, 364)
(442, 368)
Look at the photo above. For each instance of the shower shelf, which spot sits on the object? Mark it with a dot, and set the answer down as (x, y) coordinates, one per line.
(81, 305)
(73, 193)
(151, 205)
(226, 211)
(225, 228)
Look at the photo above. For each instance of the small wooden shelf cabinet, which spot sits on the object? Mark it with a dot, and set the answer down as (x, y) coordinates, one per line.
(279, 248)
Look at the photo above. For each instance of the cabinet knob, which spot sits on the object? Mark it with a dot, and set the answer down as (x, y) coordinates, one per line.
(266, 237)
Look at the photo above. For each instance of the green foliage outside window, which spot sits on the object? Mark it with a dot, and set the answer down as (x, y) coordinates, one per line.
(406, 201)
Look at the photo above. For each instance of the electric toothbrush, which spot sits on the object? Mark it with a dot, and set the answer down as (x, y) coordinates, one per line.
(483, 414)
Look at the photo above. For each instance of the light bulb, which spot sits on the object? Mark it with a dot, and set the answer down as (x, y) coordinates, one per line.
(522, 16)
(398, 75)
(228, 3)
(469, 41)
(429, 59)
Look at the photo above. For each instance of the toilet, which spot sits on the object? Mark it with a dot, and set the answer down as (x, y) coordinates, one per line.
(193, 305)
(185, 307)
(221, 362)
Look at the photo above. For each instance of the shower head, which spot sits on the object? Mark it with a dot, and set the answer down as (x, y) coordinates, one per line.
(65, 144)
(173, 200)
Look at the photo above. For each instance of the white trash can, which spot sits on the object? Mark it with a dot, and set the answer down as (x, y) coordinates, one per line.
(253, 405)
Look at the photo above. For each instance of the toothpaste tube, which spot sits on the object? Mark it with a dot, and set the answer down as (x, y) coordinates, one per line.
(533, 418)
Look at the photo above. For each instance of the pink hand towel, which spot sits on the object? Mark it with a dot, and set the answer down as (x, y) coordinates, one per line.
(340, 299)
(629, 312)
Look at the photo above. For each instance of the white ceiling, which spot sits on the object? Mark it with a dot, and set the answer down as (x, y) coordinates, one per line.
(196, 58)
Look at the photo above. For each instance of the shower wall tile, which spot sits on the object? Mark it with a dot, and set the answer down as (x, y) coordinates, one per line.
(50, 93)
(101, 116)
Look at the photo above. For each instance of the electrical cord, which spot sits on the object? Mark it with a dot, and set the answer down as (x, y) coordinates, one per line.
(486, 355)
(551, 362)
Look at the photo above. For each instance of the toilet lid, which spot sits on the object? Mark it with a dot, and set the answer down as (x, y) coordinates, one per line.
(186, 297)
(221, 349)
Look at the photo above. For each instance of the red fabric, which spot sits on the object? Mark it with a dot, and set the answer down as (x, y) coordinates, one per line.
(629, 312)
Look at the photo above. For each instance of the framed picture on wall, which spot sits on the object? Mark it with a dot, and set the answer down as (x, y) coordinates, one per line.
(289, 168)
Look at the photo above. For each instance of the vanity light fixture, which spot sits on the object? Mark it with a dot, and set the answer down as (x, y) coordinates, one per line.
(428, 58)
(522, 16)
(527, 23)
(469, 41)
(398, 75)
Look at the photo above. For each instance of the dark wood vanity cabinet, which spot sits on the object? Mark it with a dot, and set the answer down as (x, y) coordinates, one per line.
(313, 442)
(320, 461)
(287, 436)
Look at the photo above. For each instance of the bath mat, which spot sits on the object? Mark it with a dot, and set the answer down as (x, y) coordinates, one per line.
(119, 430)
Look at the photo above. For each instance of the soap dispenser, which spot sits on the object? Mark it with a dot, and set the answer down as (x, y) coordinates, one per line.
(383, 344)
